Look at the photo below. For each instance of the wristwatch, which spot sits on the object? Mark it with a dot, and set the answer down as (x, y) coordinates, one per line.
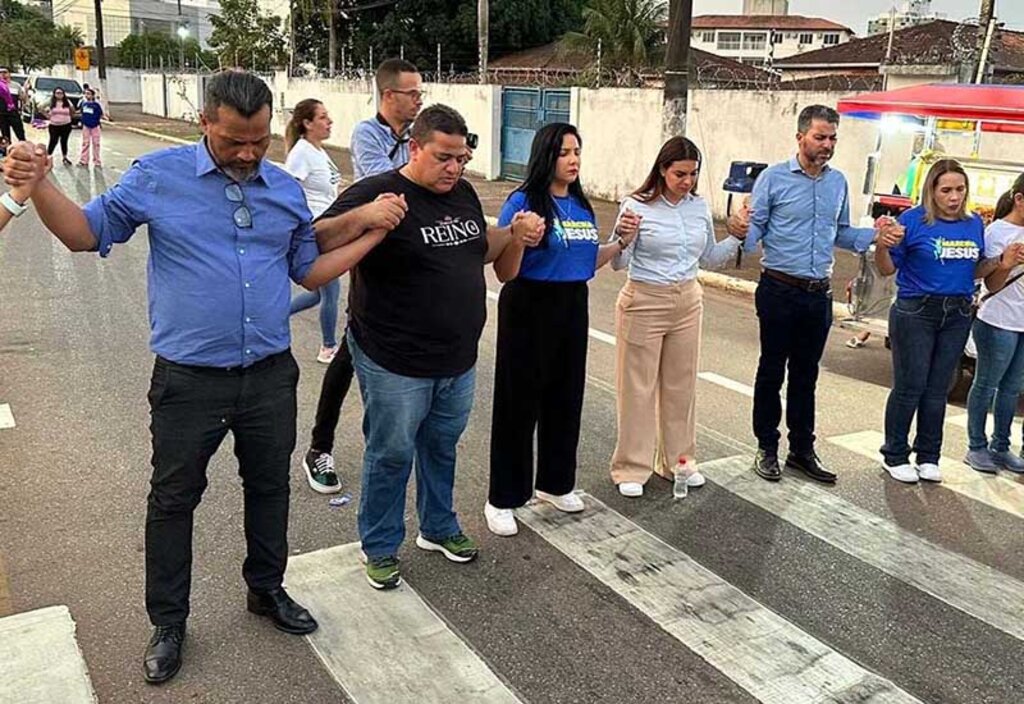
(13, 207)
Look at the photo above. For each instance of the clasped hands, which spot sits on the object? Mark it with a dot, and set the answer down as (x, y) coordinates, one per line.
(25, 166)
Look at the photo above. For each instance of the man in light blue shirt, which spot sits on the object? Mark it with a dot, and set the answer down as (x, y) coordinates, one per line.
(381, 143)
(799, 212)
(227, 230)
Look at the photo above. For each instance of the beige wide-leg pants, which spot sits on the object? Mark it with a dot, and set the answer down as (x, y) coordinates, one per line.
(658, 332)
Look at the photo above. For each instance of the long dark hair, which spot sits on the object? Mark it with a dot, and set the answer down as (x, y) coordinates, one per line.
(675, 149)
(296, 129)
(1005, 205)
(53, 99)
(540, 173)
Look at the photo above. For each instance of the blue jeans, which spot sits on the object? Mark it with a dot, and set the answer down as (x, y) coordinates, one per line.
(408, 418)
(928, 334)
(999, 375)
(327, 296)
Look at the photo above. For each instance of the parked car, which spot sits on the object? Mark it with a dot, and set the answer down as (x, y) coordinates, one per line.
(38, 91)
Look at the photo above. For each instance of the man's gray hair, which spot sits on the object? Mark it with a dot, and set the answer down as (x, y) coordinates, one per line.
(438, 118)
(243, 92)
(815, 112)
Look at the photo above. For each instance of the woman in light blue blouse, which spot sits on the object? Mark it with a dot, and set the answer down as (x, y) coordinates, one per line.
(658, 321)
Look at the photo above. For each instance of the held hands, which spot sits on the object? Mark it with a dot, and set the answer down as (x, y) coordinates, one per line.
(628, 227)
(528, 228)
(386, 212)
(889, 232)
(25, 166)
(1012, 256)
(738, 224)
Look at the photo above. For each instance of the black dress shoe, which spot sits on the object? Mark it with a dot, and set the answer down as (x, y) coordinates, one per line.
(163, 654)
(811, 466)
(767, 466)
(282, 610)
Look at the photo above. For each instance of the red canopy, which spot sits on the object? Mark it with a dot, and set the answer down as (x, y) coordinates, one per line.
(996, 106)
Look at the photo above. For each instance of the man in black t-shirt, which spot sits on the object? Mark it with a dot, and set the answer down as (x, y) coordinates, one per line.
(417, 306)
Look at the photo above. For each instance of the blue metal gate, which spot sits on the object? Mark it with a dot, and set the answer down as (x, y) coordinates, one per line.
(523, 112)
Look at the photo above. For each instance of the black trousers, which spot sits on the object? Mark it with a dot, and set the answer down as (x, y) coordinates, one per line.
(59, 133)
(333, 390)
(11, 121)
(794, 327)
(192, 410)
(539, 378)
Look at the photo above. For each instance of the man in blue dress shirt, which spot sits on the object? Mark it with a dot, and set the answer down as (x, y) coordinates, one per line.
(799, 211)
(227, 230)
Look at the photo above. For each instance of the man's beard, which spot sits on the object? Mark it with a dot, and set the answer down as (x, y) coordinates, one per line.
(241, 176)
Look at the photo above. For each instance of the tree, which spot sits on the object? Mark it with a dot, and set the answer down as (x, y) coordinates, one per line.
(244, 37)
(161, 49)
(30, 40)
(630, 32)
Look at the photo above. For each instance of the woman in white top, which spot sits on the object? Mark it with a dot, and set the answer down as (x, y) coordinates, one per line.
(310, 164)
(999, 336)
(658, 321)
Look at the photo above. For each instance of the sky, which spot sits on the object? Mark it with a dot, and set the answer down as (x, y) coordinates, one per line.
(855, 14)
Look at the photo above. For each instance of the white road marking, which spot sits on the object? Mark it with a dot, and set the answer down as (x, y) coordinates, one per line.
(41, 660)
(386, 647)
(976, 589)
(727, 383)
(6, 416)
(960, 421)
(755, 647)
(997, 491)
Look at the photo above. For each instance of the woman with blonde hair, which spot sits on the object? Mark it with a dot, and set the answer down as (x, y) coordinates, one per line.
(658, 321)
(935, 252)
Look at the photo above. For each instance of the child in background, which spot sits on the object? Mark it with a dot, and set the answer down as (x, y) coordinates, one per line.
(92, 113)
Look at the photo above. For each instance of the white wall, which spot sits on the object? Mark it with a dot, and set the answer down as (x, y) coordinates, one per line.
(123, 85)
(183, 97)
(152, 88)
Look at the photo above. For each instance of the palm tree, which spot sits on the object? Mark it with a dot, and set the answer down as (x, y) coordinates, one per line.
(630, 32)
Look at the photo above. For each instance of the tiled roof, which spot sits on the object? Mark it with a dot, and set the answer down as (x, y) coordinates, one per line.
(938, 42)
(778, 22)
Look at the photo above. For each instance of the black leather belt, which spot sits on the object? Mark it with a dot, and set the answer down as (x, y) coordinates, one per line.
(809, 285)
(262, 364)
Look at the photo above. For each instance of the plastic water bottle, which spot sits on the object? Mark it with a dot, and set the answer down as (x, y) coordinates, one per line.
(679, 485)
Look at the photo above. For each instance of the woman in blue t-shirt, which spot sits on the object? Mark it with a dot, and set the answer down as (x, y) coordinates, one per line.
(936, 263)
(543, 323)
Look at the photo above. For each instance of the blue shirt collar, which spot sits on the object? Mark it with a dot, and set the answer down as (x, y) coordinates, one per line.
(205, 163)
(794, 166)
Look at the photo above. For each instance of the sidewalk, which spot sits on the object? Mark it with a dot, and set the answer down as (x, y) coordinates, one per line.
(492, 195)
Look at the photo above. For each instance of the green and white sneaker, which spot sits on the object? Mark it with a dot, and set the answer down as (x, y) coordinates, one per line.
(457, 548)
(383, 572)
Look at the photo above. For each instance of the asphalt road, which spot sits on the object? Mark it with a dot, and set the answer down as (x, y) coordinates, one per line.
(74, 370)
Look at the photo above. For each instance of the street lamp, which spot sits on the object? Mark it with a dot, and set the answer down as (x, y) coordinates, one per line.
(182, 36)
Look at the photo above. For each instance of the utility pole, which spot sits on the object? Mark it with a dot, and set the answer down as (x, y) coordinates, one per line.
(985, 18)
(483, 29)
(101, 54)
(677, 69)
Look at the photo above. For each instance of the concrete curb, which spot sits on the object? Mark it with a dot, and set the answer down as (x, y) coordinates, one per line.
(710, 279)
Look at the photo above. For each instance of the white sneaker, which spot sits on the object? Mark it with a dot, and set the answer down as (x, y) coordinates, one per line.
(929, 472)
(902, 473)
(631, 489)
(327, 354)
(570, 503)
(696, 479)
(500, 521)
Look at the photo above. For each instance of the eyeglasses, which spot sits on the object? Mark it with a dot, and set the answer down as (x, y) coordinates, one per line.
(413, 93)
(242, 216)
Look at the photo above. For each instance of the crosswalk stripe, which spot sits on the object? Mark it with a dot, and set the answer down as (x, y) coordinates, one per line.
(41, 660)
(976, 589)
(6, 416)
(758, 649)
(727, 383)
(992, 490)
(960, 421)
(386, 648)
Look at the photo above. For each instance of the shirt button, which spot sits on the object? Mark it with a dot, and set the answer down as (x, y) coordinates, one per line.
(247, 284)
(248, 320)
(248, 351)
(241, 250)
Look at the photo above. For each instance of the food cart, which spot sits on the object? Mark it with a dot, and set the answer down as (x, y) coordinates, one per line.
(931, 111)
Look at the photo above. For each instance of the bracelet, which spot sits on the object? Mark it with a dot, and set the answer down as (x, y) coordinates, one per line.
(12, 206)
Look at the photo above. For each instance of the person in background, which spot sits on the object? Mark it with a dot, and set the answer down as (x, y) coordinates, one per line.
(379, 145)
(5, 144)
(541, 367)
(999, 337)
(92, 114)
(10, 108)
(14, 202)
(935, 253)
(658, 321)
(59, 114)
(799, 212)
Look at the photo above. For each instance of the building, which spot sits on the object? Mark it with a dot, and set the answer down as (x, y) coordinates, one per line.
(910, 13)
(765, 7)
(764, 39)
(124, 17)
(939, 51)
